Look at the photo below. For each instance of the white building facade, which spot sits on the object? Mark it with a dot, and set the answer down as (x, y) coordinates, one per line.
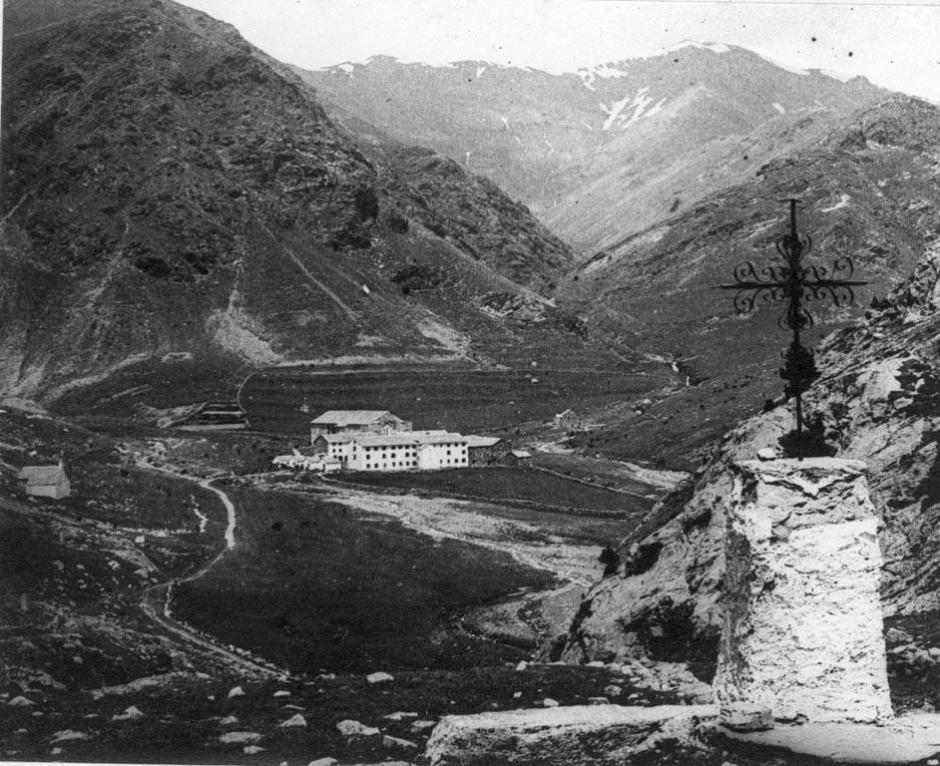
(415, 450)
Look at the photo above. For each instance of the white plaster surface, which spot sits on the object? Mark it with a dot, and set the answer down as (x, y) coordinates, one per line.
(802, 631)
(906, 739)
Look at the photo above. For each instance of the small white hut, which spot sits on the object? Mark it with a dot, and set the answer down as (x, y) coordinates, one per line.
(46, 481)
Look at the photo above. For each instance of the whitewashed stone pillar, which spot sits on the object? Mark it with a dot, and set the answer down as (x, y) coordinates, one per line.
(802, 634)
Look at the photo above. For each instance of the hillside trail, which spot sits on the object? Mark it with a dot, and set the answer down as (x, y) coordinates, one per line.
(164, 592)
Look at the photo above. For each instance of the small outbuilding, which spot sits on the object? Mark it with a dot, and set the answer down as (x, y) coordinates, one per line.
(46, 481)
(486, 449)
(518, 457)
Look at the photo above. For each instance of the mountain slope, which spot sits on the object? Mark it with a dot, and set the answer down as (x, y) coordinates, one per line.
(607, 151)
(877, 401)
(868, 191)
(171, 190)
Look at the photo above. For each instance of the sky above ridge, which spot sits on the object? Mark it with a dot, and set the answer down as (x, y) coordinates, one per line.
(893, 44)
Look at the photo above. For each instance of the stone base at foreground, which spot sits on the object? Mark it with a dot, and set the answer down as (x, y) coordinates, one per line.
(562, 736)
(907, 739)
(802, 636)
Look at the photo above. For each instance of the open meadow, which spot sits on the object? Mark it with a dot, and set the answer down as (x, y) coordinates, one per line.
(315, 586)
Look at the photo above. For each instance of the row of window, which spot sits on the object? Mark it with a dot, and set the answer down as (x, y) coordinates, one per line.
(395, 464)
(411, 463)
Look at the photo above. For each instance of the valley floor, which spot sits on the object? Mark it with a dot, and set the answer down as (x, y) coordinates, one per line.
(169, 613)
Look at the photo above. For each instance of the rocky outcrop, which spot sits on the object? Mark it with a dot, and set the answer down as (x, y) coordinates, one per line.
(878, 401)
(802, 633)
(562, 736)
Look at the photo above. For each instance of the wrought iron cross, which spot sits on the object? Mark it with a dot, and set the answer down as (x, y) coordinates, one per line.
(792, 281)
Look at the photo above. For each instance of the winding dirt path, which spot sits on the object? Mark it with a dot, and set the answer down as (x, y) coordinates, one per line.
(161, 594)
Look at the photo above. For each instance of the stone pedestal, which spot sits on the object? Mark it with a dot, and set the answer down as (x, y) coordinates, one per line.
(802, 635)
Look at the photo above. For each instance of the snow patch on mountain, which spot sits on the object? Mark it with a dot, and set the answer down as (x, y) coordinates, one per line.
(615, 112)
(657, 108)
(640, 102)
(605, 71)
(713, 47)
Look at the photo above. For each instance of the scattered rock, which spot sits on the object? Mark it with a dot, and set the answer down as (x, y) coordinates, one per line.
(400, 715)
(379, 678)
(767, 453)
(228, 720)
(522, 665)
(252, 749)
(236, 691)
(517, 695)
(563, 736)
(282, 693)
(598, 701)
(20, 702)
(747, 718)
(419, 726)
(295, 721)
(323, 762)
(56, 751)
(68, 735)
(130, 714)
(239, 737)
(612, 690)
(549, 702)
(350, 728)
(396, 743)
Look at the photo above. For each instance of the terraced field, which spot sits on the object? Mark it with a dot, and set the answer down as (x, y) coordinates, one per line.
(285, 400)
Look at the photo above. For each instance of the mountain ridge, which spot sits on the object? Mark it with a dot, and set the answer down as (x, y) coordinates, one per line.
(610, 150)
(209, 205)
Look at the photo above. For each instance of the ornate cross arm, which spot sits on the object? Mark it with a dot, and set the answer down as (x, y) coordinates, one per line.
(796, 284)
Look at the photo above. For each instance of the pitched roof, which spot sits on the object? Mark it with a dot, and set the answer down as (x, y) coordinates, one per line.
(482, 441)
(409, 437)
(42, 475)
(338, 438)
(350, 417)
